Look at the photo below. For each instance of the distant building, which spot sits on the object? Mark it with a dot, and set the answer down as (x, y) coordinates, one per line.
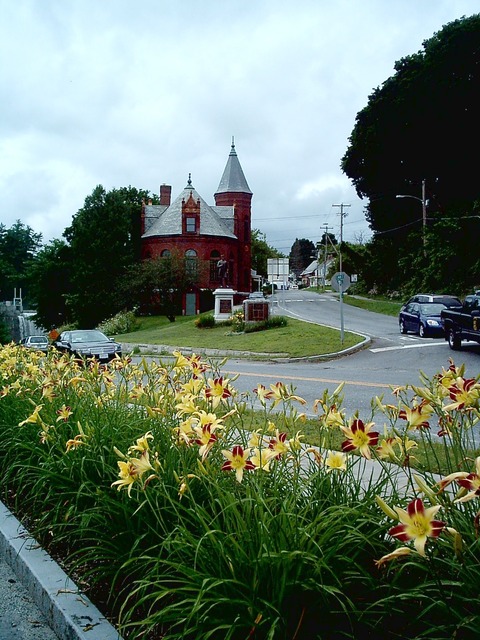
(315, 275)
(205, 232)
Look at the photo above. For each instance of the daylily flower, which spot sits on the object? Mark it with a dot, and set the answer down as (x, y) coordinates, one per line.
(386, 449)
(469, 482)
(417, 524)
(464, 393)
(184, 432)
(279, 445)
(181, 361)
(445, 422)
(237, 460)
(132, 470)
(48, 392)
(142, 443)
(418, 415)
(193, 362)
(295, 442)
(193, 387)
(218, 390)
(206, 438)
(263, 393)
(76, 442)
(447, 376)
(360, 436)
(280, 392)
(136, 392)
(336, 460)
(186, 406)
(34, 418)
(256, 439)
(332, 417)
(64, 413)
(261, 458)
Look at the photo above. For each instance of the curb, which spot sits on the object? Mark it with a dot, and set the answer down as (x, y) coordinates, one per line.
(69, 613)
(167, 350)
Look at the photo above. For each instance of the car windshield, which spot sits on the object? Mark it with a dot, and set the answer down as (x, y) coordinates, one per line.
(432, 308)
(88, 336)
(38, 340)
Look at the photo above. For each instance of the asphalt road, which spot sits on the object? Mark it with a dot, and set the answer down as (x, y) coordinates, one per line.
(390, 358)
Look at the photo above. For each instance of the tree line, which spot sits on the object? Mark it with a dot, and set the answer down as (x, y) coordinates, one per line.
(94, 271)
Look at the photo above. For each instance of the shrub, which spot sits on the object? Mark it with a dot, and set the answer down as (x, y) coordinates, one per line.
(273, 322)
(122, 322)
(205, 321)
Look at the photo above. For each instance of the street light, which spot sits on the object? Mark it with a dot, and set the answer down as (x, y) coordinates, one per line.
(424, 212)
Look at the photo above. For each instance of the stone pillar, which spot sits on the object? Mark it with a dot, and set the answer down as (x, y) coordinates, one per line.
(223, 303)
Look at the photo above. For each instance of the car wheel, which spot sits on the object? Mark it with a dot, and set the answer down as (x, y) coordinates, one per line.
(454, 341)
(422, 331)
(403, 329)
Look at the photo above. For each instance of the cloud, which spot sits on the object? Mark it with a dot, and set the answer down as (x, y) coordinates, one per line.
(139, 93)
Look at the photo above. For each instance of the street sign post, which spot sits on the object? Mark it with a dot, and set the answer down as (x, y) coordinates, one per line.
(340, 282)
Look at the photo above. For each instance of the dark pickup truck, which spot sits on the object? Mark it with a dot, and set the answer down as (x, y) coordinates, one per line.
(462, 323)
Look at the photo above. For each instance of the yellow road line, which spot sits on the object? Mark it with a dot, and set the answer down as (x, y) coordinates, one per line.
(328, 380)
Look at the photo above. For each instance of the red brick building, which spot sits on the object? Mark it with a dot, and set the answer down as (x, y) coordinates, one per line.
(204, 232)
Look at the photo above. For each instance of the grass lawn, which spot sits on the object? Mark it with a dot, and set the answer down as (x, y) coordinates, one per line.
(297, 339)
(378, 305)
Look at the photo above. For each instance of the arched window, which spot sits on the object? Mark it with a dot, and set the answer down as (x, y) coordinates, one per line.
(165, 253)
(191, 262)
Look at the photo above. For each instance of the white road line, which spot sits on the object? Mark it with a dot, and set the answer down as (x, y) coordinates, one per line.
(408, 346)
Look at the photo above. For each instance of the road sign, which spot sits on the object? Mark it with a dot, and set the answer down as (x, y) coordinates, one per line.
(340, 281)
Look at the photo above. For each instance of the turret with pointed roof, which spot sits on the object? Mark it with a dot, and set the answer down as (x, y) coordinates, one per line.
(234, 191)
(191, 226)
(233, 179)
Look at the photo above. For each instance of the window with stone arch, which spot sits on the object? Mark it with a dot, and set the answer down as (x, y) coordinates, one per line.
(191, 262)
(214, 258)
(165, 253)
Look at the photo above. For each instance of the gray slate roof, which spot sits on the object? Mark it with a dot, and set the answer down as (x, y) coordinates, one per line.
(167, 221)
(233, 179)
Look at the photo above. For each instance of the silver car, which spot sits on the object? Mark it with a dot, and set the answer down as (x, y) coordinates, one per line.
(35, 342)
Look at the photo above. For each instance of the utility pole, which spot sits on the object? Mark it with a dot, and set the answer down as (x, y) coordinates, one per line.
(342, 216)
(325, 233)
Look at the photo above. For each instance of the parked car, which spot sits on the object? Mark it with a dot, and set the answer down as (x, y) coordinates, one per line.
(256, 295)
(88, 343)
(422, 318)
(464, 323)
(448, 300)
(35, 342)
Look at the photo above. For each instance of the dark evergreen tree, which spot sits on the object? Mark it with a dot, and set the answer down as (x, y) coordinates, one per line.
(18, 247)
(421, 126)
(301, 255)
(50, 277)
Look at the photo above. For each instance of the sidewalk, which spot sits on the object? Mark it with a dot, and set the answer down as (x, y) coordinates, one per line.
(38, 601)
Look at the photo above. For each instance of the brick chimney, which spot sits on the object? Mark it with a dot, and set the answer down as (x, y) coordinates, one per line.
(165, 194)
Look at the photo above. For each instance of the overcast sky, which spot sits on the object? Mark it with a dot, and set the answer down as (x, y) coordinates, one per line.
(144, 92)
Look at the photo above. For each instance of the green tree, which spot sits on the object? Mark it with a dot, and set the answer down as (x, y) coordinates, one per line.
(18, 247)
(301, 255)
(261, 252)
(104, 239)
(156, 285)
(50, 277)
(420, 125)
